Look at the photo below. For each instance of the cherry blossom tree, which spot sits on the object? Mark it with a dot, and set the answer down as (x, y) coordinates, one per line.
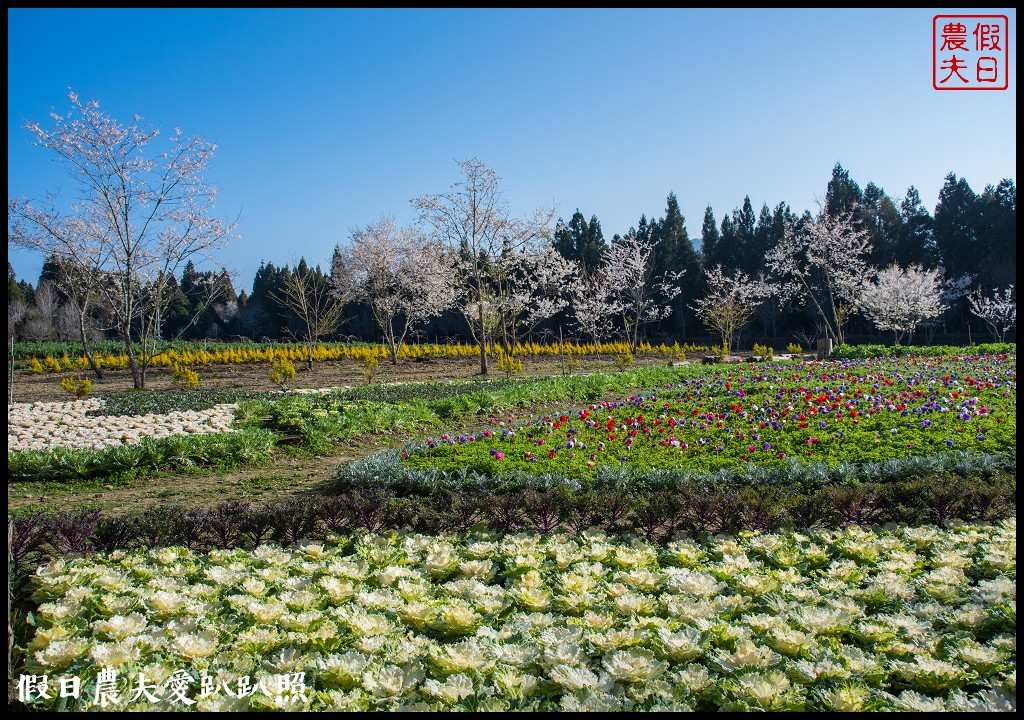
(40, 317)
(404, 278)
(900, 300)
(140, 212)
(594, 304)
(999, 312)
(474, 222)
(730, 303)
(530, 287)
(824, 264)
(640, 296)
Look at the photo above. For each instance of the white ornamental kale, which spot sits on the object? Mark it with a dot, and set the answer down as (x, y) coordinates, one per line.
(846, 620)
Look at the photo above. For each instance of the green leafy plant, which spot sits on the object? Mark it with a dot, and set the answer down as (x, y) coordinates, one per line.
(763, 351)
(794, 349)
(535, 595)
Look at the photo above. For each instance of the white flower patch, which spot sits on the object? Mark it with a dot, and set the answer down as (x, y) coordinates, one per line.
(45, 426)
(848, 620)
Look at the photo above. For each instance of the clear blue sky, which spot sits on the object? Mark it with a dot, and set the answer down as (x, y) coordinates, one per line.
(325, 119)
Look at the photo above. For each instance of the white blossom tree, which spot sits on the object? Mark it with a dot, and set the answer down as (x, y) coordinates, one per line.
(404, 278)
(640, 297)
(474, 222)
(594, 304)
(999, 312)
(530, 287)
(730, 303)
(900, 300)
(141, 212)
(824, 264)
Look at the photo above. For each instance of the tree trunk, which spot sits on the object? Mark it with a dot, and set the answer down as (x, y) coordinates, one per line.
(85, 345)
(389, 335)
(483, 341)
(138, 380)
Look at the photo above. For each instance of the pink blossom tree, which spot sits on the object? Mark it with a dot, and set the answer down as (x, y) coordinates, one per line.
(641, 296)
(473, 221)
(530, 287)
(594, 304)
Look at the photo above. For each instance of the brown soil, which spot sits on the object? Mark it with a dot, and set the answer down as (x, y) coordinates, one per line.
(29, 387)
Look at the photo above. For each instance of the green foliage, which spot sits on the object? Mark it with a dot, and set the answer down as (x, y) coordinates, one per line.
(476, 473)
(854, 352)
(534, 597)
(426, 391)
(794, 349)
(764, 352)
(225, 451)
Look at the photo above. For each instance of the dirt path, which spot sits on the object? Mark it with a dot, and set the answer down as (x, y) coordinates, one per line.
(285, 477)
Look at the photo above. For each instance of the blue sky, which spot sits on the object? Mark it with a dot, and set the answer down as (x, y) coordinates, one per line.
(325, 119)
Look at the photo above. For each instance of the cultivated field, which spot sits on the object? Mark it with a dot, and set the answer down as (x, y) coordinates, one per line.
(772, 535)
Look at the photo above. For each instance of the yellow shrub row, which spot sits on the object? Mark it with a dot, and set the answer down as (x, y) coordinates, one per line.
(257, 354)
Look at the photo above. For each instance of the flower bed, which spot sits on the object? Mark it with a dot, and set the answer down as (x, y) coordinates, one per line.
(909, 618)
(854, 412)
